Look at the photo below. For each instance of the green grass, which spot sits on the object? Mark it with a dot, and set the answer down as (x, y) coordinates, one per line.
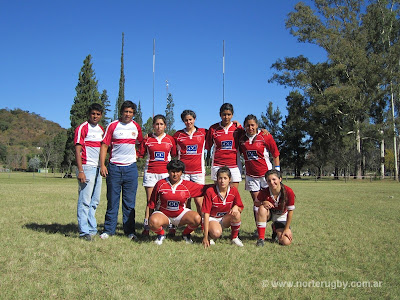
(343, 232)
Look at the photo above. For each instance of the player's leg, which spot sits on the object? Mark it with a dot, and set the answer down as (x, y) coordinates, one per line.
(262, 217)
(192, 219)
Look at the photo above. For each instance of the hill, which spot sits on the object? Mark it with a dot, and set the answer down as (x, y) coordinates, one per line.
(22, 136)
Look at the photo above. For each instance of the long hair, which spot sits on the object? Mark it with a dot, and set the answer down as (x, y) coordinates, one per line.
(283, 197)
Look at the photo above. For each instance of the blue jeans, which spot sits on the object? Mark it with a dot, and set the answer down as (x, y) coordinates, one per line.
(119, 178)
(88, 200)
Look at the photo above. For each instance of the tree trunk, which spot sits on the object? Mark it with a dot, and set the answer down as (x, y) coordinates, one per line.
(382, 156)
(358, 154)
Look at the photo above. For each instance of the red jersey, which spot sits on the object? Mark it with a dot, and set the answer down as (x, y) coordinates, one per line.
(255, 153)
(173, 198)
(89, 137)
(190, 148)
(159, 152)
(266, 195)
(225, 142)
(217, 206)
(122, 138)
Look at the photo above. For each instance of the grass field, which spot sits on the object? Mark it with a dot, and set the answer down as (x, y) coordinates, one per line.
(346, 246)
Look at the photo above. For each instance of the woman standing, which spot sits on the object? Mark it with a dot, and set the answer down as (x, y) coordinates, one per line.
(224, 137)
(256, 147)
(190, 143)
(159, 148)
(276, 204)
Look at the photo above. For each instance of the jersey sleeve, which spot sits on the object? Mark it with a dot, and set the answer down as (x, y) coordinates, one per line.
(139, 138)
(154, 195)
(238, 200)
(290, 198)
(262, 195)
(108, 134)
(207, 201)
(209, 139)
(141, 151)
(195, 189)
(80, 134)
(270, 144)
(173, 149)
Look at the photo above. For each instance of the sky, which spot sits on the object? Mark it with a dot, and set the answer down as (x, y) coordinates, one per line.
(44, 43)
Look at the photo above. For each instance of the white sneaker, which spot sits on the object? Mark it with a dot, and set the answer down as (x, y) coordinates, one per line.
(104, 236)
(159, 240)
(237, 242)
(187, 238)
(132, 237)
(212, 242)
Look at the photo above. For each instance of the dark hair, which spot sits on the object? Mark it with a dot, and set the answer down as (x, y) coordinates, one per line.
(176, 165)
(187, 112)
(158, 117)
(283, 197)
(250, 117)
(128, 104)
(226, 106)
(95, 106)
(226, 170)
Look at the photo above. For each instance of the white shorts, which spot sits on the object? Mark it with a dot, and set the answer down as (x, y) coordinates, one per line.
(255, 184)
(219, 220)
(174, 221)
(236, 175)
(199, 178)
(150, 179)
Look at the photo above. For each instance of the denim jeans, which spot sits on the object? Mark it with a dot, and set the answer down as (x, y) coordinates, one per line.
(119, 178)
(88, 200)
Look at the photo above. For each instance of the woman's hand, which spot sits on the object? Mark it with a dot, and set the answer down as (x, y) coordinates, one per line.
(206, 242)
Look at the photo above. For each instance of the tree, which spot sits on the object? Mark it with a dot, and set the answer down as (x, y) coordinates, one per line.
(106, 109)
(169, 115)
(148, 126)
(34, 163)
(121, 92)
(138, 115)
(86, 94)
(294, 147)
(271, 121)
(3, 153)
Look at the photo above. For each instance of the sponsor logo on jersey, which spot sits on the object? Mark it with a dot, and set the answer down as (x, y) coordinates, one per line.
(159, 155)
(172, 205)
(226, 145)
(251, 154)
(191, 149)
(221, 214)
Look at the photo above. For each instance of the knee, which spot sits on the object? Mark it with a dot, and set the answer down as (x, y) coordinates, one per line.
(215, 233)
(154, 223)
(284, 241)
(236, 217)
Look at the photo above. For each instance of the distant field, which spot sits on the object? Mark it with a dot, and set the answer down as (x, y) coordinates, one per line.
(346, 245)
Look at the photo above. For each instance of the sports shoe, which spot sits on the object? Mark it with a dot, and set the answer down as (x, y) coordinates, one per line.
(212, 242)
(132, 237)
(104, 236)
(86, 237)
(236, 241)
(145, 232)
(187, 238)
(159, 240)
(260, 243)
(255, 233)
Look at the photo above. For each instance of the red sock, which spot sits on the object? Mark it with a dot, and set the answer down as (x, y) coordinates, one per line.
(261, 229)
(235, 230)
(188, 230)
(160, 231)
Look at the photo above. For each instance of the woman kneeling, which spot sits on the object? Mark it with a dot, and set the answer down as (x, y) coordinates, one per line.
(169, 197)
(276, 204)
(222, 206)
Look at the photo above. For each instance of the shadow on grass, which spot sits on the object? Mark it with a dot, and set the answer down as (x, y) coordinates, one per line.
(54, 228)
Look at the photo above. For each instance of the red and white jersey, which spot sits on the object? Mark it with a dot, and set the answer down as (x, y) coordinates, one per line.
(173, 198)
(190, 148)
(122, 137)
(256, 150)
(225, 142)
(218, 206)
(159, 152)
(89, 137)
(266, 195)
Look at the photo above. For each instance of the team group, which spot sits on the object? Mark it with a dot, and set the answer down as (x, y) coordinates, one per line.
(171, 183)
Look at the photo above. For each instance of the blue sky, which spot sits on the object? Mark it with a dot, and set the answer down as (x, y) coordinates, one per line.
(44, 44)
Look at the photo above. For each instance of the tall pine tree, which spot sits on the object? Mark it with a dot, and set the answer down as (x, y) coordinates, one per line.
(86, 94)
(106, 108)
(138, 115)
(169, 115)
(121, 92)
